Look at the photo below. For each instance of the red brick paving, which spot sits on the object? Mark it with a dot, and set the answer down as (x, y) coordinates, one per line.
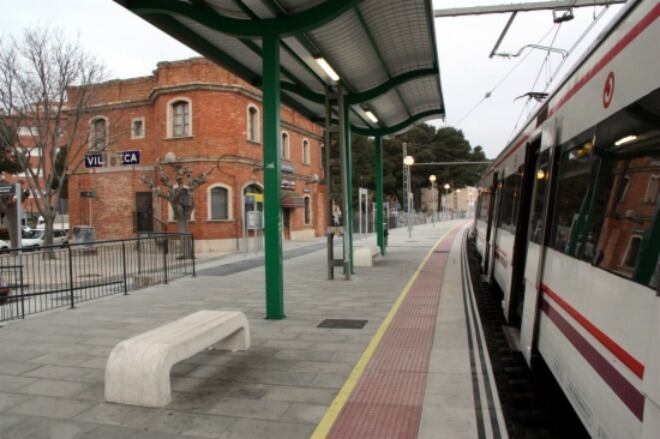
(387, 400)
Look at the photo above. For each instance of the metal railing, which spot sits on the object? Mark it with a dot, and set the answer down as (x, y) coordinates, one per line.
(45, 278)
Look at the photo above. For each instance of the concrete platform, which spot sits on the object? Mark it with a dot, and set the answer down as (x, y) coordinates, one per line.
(52, 365)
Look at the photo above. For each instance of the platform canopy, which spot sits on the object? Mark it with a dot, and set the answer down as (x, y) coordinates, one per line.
(383, 51)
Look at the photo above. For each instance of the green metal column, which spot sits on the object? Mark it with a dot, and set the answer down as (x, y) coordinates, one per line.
(349, 174)
(272, 179)
(380, 229)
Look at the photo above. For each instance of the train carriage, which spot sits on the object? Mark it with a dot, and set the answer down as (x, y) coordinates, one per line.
(568, 227)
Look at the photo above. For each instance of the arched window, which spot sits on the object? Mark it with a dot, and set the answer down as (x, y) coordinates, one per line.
(285, 146)
(308, 210)
(180, 119)
(306, 153)
(253, 124)
(98, 135)
(218, 203)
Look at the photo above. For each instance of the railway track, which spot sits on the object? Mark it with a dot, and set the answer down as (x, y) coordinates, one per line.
(534, 406)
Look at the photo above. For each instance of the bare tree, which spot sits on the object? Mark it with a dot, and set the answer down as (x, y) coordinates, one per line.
(37, 75)
(179, 194)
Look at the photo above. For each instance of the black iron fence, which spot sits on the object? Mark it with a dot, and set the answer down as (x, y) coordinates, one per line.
(44, 278)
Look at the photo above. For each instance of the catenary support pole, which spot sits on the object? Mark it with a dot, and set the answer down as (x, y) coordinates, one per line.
(380, 229)
(349, 174)
(272, 179)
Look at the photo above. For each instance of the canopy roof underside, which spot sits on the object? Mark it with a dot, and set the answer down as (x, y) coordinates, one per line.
(383, 50)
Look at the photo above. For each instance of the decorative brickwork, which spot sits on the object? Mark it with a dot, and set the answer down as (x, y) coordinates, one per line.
(211, 130)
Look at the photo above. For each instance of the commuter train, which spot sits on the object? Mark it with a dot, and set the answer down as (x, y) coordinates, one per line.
(568, 228)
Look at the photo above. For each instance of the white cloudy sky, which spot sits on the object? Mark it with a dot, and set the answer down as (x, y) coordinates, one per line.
(131, 47)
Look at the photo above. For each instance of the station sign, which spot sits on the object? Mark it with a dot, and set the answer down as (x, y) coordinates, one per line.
(130, 157)
(288, 184)
(126, 158)
(7, 189)
(94, 160)
(88, 194)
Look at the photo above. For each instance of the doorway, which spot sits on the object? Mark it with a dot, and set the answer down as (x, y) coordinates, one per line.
(144, 212)
(517, 292)
(286, 223)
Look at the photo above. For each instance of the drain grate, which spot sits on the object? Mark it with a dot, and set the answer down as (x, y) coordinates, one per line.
(441, 251)
(342, 324)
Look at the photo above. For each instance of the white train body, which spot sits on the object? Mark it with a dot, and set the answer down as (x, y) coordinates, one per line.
(572, 232)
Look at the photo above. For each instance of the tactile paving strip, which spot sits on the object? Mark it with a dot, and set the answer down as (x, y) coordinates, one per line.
(387, 400)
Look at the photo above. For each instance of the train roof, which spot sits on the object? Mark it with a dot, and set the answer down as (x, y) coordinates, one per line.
(600, 39)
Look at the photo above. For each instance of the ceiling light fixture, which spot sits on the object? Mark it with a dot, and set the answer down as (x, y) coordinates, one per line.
(327, 69)
(372, 117)
(626, 139)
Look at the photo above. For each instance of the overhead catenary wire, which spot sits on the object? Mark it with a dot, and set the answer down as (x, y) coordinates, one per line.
(501, 81)
(553, 75)
(538, 75)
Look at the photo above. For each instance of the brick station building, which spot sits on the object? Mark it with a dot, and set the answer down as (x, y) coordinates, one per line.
(192, 113)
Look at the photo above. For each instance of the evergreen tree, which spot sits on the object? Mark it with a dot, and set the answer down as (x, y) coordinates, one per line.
(425, 144)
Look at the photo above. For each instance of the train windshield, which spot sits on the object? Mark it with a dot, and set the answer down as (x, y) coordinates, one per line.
(606, 210)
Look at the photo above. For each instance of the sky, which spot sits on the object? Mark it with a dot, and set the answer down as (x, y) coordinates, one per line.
(131, 47)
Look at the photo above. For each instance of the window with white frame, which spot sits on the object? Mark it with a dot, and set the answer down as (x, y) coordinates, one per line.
(308, 210)
(285, 146)
(180, 120)
(630, 257)
(252, 123)
(219, 203)
(306, 153)
(137, 128)
(98, 133)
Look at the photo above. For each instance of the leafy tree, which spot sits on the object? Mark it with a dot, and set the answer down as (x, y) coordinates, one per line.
(426, 144)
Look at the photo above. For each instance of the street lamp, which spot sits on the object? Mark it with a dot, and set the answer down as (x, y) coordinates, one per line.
(444, 203)
(432, 179)
(409, 161)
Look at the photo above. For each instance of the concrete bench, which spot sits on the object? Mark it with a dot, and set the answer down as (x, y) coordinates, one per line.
(138, 369)
(364, 256)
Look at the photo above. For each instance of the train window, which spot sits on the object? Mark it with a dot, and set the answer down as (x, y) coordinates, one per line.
(607, 199)
(510, 200)
(484, 205)
(572, 192)
(630, 258)
(540, 187)
(477, 211)
(652, 190)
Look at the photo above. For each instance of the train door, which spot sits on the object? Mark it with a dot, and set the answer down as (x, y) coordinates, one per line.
(540, 212)
(489, 226)
(519, 258)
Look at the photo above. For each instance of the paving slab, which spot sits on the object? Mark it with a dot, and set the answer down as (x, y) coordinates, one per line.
(280, 388)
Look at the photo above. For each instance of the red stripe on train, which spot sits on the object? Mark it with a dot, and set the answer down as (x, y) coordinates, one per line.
(627, 393)
(631, 362)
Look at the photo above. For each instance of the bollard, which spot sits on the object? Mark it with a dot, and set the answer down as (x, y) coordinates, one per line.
(123, 260)
(165, 244)
(68, 247)
(192, 239)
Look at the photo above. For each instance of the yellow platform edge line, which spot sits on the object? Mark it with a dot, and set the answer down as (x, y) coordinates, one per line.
(331, 414)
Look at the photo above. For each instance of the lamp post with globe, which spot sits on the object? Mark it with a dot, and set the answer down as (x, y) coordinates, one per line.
(409, 161)
(432, 179)
(444, 203)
